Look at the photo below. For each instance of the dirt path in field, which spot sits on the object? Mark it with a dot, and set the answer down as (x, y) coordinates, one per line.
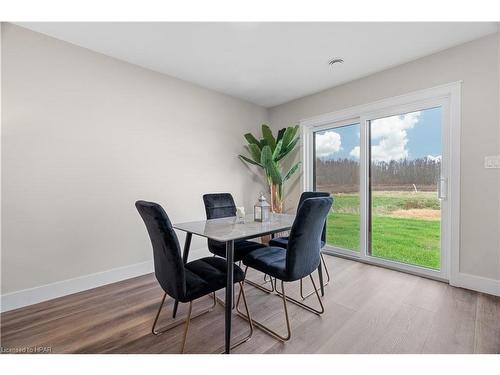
(417, 213)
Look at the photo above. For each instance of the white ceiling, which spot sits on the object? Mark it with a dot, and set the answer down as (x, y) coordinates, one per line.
(265, 63)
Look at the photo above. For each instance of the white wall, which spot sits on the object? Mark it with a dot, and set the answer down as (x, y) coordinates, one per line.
(477, 64)
(84, 136)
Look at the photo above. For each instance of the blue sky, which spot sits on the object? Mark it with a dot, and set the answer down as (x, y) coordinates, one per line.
(425, 138)
(413, 135)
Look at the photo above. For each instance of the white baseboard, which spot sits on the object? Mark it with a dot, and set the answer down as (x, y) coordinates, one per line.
(26, 297)
(477, 283)
(46, 292)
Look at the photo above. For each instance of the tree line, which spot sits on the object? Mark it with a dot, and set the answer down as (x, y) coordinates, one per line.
(423, 172)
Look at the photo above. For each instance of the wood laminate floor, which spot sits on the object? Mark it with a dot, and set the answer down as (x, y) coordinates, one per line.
(368, 310)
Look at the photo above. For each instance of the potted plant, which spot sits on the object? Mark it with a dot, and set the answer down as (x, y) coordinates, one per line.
(268, 153)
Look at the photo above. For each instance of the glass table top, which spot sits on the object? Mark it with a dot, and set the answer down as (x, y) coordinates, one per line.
(227, 229)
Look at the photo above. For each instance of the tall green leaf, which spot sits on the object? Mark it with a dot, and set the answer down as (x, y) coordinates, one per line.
(262, 143)
(251, 139)
(255, 152)
(291, 171)
(268, 136)
(266, 156)
(277, 150)
(280, 134)
(289, 135)
(272, 171)
(250, 161)
(292, 144)
(285, 150)
(275, 173)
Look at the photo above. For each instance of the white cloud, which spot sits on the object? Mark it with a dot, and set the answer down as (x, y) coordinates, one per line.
(355, 152)
(390, 132)
(327, 144)
(434, 158)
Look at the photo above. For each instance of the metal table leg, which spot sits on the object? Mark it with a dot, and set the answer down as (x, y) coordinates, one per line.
(229, 294)
(185, 255)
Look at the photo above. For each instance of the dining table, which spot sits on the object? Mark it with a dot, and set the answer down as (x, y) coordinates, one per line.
(229, 230)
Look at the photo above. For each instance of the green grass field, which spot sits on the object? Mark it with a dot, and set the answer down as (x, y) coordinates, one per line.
(405, 226)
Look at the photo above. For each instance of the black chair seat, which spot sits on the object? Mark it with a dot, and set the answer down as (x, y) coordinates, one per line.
(302, 255)
(279, 242)
(283, 242)
(241, 248)
(269, 260)
(207, 275)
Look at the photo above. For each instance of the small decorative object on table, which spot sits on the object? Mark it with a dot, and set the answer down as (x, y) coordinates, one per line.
(240, 215)
(262, 209)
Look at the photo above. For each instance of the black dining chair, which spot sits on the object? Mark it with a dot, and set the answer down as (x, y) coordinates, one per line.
(221, 205)
(283, 241)
(300, 259)
(183, 282)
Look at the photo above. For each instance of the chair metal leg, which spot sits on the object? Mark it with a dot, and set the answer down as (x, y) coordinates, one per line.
(302, 290)
(188, 320)
(262, 326)
(325, 284)
(266, 281)
(304, 306)
(153, 331)
(261, 287)
(190, 317)
(250, 321)
(156, 332)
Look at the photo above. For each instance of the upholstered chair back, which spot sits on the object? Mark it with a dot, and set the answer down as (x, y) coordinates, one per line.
(314, 194)
(219, 205)
(169, 267)
(304, 242)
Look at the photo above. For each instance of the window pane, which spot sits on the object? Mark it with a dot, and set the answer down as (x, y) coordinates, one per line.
(336, 170)
(405, 167)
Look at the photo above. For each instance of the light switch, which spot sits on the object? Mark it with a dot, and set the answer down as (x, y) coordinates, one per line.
(492, 161)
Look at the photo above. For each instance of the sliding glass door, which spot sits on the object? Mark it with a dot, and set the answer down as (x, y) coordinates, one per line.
(336, 171)
(405, 153)
(387, 171)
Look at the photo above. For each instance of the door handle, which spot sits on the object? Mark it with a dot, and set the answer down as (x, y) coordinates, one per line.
(442, 188)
